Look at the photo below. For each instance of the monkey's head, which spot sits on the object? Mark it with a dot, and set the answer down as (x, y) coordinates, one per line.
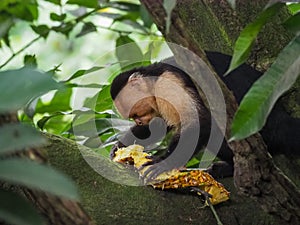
(133, 96)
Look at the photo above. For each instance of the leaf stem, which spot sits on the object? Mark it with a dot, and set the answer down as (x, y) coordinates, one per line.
(78, 19)
(219, 222)
(21, 50)
(126, 31)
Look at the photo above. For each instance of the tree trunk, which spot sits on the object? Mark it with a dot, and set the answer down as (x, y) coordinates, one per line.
(112, 203)
(109, 202)
(55, 210)
(255, 173)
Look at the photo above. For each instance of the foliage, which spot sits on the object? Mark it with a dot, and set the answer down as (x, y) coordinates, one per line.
(169, 5)
(248, 35)
(258, 102)
(25, 84)
(44, 98)
(24, 213)
(27, 87)
(29, 83)
(260, 99)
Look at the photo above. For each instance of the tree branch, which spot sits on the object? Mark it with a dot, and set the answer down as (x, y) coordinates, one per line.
(255, 173)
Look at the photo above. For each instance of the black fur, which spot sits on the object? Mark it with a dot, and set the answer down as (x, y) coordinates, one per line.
(154, 70)
(281, 132)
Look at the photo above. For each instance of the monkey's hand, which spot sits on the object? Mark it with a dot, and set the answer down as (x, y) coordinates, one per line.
(156, 166)
(115, 148)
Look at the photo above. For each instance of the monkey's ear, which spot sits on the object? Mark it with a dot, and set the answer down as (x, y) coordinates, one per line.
(135, 78)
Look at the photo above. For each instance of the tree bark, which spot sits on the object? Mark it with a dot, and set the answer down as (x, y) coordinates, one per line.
(111, 203)
(255, 173)
(55, 210)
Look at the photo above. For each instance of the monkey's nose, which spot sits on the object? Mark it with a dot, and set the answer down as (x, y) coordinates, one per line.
(138, 122)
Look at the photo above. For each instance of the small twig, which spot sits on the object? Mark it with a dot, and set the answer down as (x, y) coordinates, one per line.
(207, 197)
(219, 222)
(21, 50)
(78, 19)
(126, 31)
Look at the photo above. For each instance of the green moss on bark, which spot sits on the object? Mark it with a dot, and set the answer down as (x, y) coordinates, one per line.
(111, 203)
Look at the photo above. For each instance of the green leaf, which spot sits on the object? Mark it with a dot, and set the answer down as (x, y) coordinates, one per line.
(34, 175)
(149, 53)
(42, 30)
(134, 24)
(24, 84)
(14, 137)
(30, 61)
(57, 17)
(248, 35)
(52, 72)
(87, 28)
(258, 102)
(101, 101)
(57, 123)
(59, 102)
(80, 73)
(64, 28)
(95, 127)
(294, 8)
(113, 16)
(16, 210)
(85, 122)
(124, 6)
(232, 3)
(103, 125)
(25, 10)
(145, 16)
(169, 5)
(57, 2)
(125, 45)
(293, 23)
(33, 9)
(41, 123)
(92, 128)
(6, 23)
(85, 3)
(92, 85)
(93, 142)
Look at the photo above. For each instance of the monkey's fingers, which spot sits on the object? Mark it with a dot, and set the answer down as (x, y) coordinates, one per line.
(115, 148)
(151, 171)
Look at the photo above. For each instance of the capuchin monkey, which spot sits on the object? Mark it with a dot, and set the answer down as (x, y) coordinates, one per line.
(162, 98)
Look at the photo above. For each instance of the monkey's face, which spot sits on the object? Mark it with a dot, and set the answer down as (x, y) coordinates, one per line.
(137, 105)
(144, 111)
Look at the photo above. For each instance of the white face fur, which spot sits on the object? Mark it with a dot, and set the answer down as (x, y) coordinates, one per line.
(143, 98)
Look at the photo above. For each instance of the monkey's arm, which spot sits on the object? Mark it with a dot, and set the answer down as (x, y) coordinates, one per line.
(180, 150)
(132, 136)
(185, 144)
(144, 135)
